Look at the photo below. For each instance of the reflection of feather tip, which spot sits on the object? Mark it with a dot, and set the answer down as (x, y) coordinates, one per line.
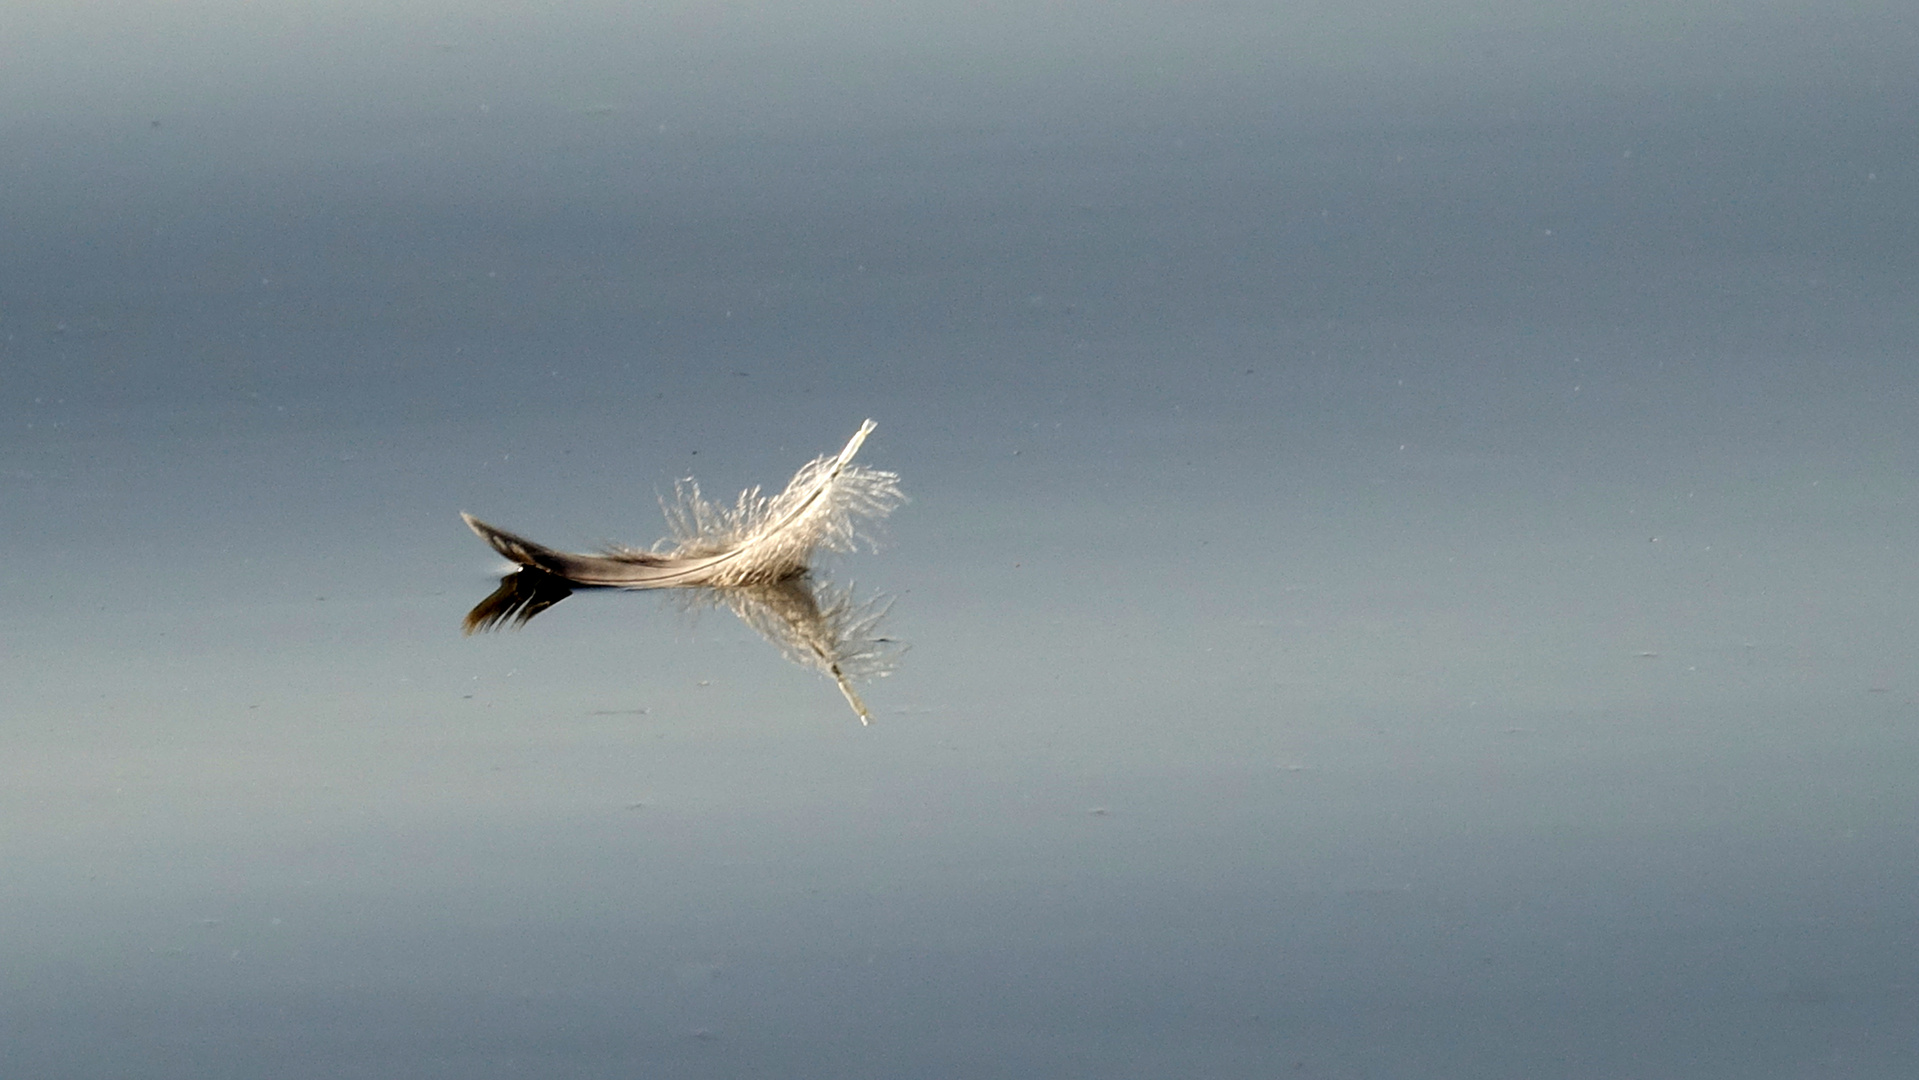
(823, 627)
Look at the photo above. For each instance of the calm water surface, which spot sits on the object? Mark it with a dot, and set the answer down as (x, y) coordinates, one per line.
(1409, 570)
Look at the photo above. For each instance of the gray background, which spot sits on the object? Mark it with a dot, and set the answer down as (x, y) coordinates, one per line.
(1410, 569)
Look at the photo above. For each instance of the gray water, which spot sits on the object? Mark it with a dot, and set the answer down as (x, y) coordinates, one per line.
(1409, 571)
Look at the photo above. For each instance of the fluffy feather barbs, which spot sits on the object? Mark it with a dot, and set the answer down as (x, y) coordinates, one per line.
(759, 540)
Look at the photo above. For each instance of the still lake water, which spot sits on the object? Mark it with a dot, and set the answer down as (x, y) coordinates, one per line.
(1407, 575)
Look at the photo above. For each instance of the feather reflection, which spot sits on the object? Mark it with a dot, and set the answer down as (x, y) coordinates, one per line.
(814, 624)
(521, 596)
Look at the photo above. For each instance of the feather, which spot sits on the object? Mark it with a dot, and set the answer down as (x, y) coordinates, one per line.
(759, 540)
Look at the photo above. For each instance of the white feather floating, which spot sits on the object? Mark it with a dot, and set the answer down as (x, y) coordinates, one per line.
(757, 541)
